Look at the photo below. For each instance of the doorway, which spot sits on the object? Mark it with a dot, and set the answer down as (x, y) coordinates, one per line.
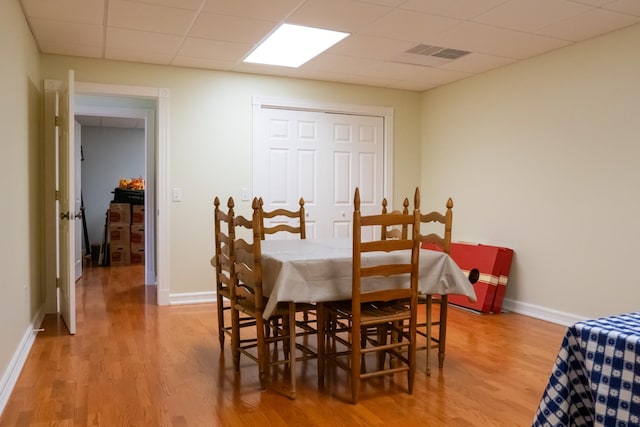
(118, 140)
(159, 212)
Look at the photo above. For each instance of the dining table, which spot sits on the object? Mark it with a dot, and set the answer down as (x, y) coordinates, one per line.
(320, 270)
(595, 380)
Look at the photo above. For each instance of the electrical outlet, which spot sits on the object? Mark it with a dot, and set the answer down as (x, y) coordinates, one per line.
(244, 194)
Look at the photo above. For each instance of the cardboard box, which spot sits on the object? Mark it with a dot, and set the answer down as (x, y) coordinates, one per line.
(137, 254)
(488, 268)
(137, 214)
(119, 255)
(119, 213)
(137, 235)
(119, 234)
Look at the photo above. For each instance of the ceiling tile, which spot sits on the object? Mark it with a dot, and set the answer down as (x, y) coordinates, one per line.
(215, 64)
(230, 28)
(480, 38)
(338, 15)
(590, 24)
(214, 49)
(120, 38)
(60, 32)
(405, 25)
(80, 11)
(625, 6)
(71, 49)
(338, 63)
(370, 47)
(477, 63)
(178, 4)
(145, 17)
(273, 10)
(530, 15)
(138, 55)
(459, 9)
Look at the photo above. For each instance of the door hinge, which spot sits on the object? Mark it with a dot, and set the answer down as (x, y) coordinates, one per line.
(57, 120)
(57, 195)
(57, 283)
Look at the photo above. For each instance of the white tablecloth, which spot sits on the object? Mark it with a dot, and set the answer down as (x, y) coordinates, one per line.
(311, 271)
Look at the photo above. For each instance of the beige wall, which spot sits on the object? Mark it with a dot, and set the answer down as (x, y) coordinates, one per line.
(210, 141)
(542, 157)
(21, 293)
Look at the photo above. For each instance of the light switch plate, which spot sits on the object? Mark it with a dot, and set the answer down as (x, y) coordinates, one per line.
(177, 195)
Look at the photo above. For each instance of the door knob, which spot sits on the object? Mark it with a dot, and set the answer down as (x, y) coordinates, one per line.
(64, 215)
(79, 215)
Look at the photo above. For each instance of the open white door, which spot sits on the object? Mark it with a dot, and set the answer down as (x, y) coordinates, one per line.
(66, 213)
(77, 156)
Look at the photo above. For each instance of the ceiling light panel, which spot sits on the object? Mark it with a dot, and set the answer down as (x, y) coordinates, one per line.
(293, 45)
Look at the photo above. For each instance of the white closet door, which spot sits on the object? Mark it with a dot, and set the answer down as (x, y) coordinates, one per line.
(321, 157)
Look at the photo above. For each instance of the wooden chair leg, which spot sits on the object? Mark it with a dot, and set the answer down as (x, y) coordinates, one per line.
(442, 330)
(262, 353)
(356, 364)
(292, 349)
(221, 332)
(429, 313)
(321, 343)
(235, 338)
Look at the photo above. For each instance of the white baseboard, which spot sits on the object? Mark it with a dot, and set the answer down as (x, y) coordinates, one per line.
(10, 376)
(542, 313)
(192, 298)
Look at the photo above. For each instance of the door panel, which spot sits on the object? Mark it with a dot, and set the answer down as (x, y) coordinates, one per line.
(66, 203)
(78, 200)
(321, 157)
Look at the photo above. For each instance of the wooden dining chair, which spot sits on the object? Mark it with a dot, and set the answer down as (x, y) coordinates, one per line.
(223, 264)
(437, 241)
(248, 299)
(394, 232)
(384, 296)
(279, 220)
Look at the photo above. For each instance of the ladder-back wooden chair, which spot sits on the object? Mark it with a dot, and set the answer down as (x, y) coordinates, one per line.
(438, 241)
(394, 232)
(223, 264)
(384, 296)
(279, 220)
(248, 299)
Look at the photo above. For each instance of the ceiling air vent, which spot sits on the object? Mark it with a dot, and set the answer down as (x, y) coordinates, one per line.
(431, 56)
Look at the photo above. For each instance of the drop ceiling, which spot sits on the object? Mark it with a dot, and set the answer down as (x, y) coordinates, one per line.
(218, 34)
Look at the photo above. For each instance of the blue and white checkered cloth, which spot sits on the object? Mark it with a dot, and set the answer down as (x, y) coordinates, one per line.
(596, 377)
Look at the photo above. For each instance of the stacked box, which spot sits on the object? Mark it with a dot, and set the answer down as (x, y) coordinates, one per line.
(126, 233)
(119, 234)
(488, 269)
(119, 213)
(137, 254)
(137, 235)
(119, 254)
(137, 214)
(137, 243)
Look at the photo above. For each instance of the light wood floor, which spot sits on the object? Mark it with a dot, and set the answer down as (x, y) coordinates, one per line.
(133, 363)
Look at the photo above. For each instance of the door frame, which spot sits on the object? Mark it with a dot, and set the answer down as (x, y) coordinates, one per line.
(161, 97)
(260, 102)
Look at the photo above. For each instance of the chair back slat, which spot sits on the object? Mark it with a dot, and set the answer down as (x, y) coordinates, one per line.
(280, 220)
